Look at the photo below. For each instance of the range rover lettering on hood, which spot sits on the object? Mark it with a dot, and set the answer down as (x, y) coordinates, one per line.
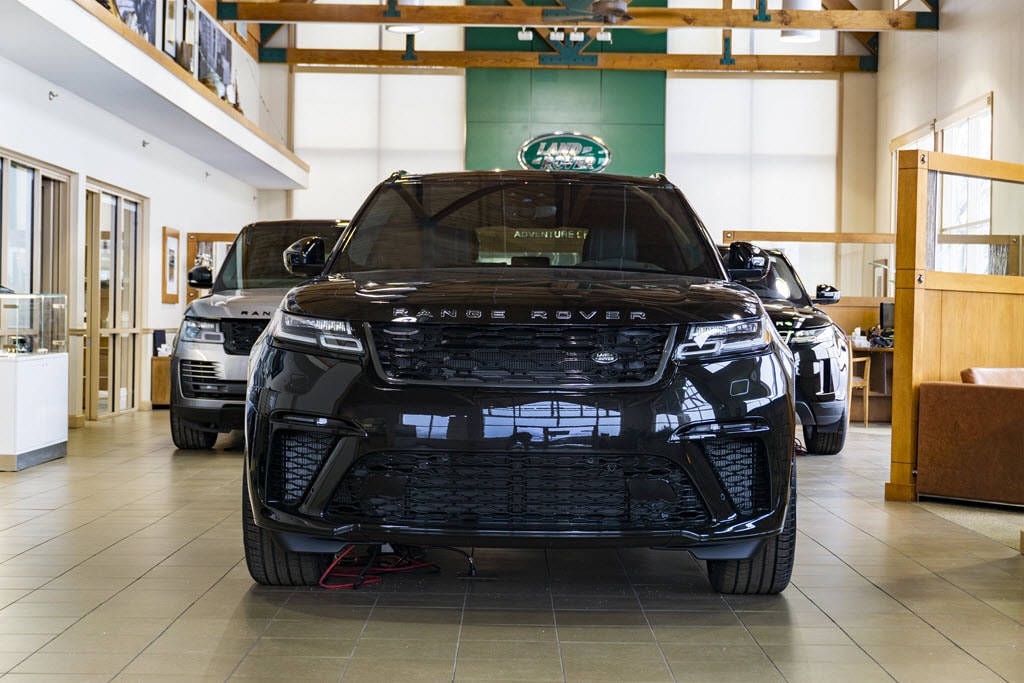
(423, 314)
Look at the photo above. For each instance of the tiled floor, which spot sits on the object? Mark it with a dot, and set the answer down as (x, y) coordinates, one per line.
(124, 562)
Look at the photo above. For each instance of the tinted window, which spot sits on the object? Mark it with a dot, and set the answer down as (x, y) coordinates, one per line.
(256, 261)
(460, 223)
(782, 283)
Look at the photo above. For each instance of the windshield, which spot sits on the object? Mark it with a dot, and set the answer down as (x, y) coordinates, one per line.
(256, 261)
(519, 223)
(782, 283)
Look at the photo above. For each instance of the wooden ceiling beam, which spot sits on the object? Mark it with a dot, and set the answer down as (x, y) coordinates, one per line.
(643, 17)
(866, 38)
(606, 60)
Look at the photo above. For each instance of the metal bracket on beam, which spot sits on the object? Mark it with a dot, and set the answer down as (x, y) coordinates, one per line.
(928, 19)
(273, 55)
(227, 11)
(869, 63)
(392, 10)
(410, 48)
(727, 59)
(569, 54)
(762, 11)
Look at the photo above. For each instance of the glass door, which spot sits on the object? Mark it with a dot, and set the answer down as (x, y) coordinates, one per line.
(112, 335)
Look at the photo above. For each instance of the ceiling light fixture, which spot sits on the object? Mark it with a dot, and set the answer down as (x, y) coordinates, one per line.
(406, 29)
(526, 35)
(604, 36)
(557, 34)
(577, 36)
(792, 35)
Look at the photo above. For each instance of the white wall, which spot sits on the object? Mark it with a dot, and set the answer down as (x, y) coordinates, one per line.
(91, 144)
(355, 128)
(927, 75)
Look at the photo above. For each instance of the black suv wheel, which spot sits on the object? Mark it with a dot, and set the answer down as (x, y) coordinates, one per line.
(270, 564)
(768, 571)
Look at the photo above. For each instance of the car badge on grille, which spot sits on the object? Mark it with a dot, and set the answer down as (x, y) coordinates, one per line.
(604, 357)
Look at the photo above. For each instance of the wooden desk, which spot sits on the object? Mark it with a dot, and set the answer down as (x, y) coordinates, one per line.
(160, 380)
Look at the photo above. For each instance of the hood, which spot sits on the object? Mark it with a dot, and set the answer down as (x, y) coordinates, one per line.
(523, 295)
(787, 316)
(238, 303)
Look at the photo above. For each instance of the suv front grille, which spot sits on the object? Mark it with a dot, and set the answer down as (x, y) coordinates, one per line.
(295, 458)
(240, 335)
(521, 355)
(518, 492)
(205, 379)
(742, 467)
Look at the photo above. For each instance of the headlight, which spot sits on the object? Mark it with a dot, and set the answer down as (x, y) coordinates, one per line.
(201, 331)
(709, 340)
(329, 335)
(813, 335)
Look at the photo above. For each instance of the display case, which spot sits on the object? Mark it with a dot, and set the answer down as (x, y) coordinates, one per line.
(33, 379)
(33, 323)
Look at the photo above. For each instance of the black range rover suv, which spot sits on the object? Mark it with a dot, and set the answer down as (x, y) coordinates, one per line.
(819, 345)
(526, 359)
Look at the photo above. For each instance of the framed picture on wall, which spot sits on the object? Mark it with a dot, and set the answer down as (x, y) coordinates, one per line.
(142, 17)
(172, 26)
(214, 55)
(186, 51)
(171, 266)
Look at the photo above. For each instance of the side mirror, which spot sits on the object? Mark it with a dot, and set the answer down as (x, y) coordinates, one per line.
(748, 262)
(200, 277)
(306, 257)
(826, 294)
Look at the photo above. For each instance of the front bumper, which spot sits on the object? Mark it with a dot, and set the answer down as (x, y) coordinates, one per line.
(701, 460)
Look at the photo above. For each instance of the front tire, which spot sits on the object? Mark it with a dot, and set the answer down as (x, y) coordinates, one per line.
(826, 443)
(190, 438)
(770, 569)
(270, 564)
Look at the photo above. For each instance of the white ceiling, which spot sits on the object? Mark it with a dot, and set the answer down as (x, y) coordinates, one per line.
(66, 45)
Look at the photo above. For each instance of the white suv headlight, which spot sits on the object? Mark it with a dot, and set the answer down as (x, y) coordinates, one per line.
(713, 339)
(201, 331)
(329, 335)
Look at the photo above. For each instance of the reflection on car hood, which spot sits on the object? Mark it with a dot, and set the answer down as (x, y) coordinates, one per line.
(788, 316)
(523, 295)
(238, 303)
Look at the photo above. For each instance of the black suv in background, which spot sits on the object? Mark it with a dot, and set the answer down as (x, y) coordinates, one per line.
(530, 359)
(211, 351)
(820, 347)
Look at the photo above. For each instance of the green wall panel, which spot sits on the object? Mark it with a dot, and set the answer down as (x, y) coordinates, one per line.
(507, 107)
(636, 149)
(557, 94)
(633, 97)
(497, 94)
(495, 145)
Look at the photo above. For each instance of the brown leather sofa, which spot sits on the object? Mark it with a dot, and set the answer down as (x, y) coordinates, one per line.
(970, 437)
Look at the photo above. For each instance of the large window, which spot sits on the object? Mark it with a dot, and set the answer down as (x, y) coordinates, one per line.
(965, 215)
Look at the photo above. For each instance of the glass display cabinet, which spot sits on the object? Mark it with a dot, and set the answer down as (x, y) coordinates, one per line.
(33, 379)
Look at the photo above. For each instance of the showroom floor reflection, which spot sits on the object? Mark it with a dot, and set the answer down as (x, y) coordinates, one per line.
(123, 562)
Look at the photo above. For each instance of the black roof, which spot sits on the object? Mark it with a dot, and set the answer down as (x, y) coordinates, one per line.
(516, 175)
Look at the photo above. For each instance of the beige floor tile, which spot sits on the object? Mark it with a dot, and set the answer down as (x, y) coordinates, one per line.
(913, 664)
(614, 662)
(74, 663)
(499, 668)
(375, 670)
(195, 665)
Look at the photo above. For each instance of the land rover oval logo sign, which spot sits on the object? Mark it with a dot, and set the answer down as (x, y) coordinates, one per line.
(564, 152)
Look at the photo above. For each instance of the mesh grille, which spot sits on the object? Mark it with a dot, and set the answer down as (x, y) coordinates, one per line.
(520, 355)
(240, 335)
(743, 471)
(508, 491)
(295, 459)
